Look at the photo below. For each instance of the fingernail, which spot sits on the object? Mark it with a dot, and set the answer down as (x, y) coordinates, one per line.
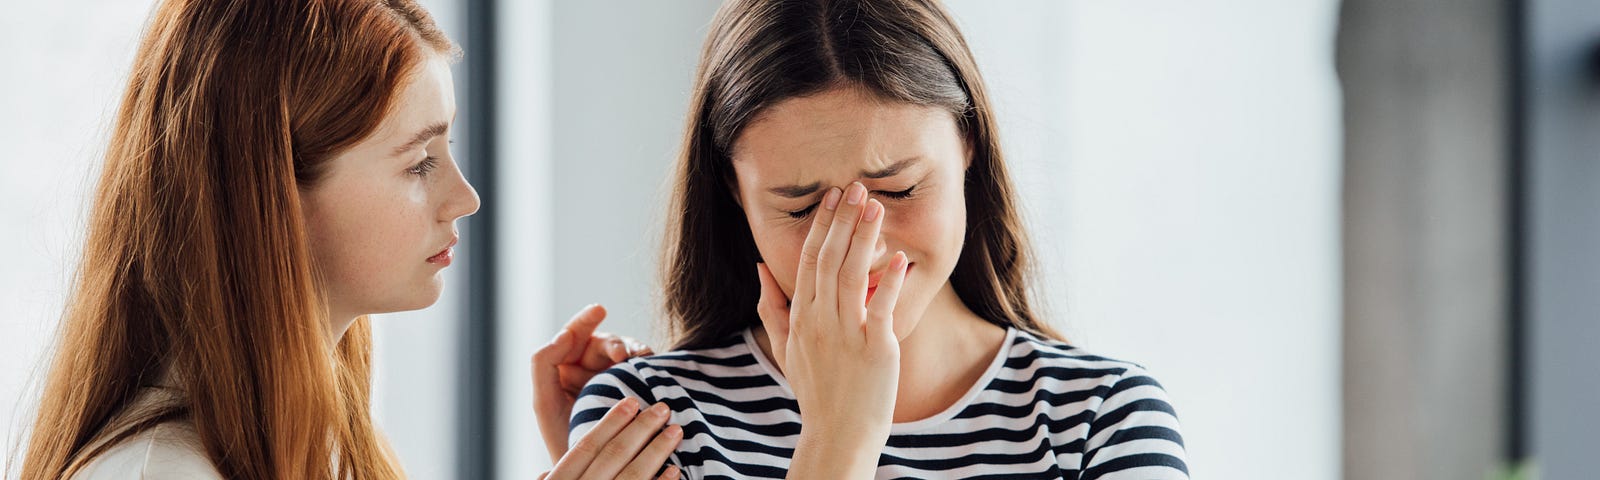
(658, 410)
(831, 200)
(856, 194)
(873, 208)
(672, 473)
(629, 404)
(899, 261)
(674, 431)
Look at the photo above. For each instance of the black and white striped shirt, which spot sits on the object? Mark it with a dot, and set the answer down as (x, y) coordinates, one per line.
(1043, 409)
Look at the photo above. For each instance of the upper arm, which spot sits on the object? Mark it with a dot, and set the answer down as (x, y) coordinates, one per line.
(601, 393)
(1135, 433)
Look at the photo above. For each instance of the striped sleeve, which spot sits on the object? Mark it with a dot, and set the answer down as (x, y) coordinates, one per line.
(1134, 435)
(603, 392)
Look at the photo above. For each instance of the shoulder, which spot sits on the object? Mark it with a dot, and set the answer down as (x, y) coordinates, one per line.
(167, 451)
(725, 362)
(1133, 429)
(1034, 359)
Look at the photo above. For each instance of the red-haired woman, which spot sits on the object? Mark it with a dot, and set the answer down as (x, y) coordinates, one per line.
(278, 170)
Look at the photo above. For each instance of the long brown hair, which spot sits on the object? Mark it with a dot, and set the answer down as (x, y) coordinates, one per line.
(761, 52)
(197, 261)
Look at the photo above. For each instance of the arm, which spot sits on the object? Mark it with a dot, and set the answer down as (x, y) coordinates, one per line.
(1135, 434)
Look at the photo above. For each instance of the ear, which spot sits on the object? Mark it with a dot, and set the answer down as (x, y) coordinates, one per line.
(968, 154)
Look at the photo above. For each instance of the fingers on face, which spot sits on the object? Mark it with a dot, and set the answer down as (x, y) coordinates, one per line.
(837, 245)
(854, 273)
(806, 280)
(773, 307)
(880, 309)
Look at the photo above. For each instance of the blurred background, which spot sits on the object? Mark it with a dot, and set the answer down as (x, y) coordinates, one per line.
(1354, 239)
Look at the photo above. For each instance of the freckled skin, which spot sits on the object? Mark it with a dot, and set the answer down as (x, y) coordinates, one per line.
(375, 219)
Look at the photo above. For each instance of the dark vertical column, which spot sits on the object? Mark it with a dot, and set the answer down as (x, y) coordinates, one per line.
(1516, 440)
(475, 450)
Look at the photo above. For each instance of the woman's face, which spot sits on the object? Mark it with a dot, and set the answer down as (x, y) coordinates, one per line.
(382, 218)
(911, 158)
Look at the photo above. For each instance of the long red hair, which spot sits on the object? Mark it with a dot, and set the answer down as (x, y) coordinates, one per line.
(197, 260)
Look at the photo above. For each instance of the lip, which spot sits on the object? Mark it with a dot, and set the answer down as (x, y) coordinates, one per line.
(875, 277)
(445, 256)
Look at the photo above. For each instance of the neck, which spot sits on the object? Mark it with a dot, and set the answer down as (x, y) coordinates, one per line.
(338, 324)
(943, 357)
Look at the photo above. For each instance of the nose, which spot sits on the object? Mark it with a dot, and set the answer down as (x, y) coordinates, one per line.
(462, 201)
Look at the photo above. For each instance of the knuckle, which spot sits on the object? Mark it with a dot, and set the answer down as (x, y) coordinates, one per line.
(616, 448)
(827, 256)
(810, 257)
(876, 315)
(849, 282)
(865, 233)
(584, 449)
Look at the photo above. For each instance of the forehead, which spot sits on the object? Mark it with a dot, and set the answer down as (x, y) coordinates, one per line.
(426, 97)
(842, 129)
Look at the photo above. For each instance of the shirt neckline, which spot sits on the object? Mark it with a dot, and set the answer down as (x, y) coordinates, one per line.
(945, 415)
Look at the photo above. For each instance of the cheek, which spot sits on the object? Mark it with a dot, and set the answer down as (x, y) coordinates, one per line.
(928, 231)
(780, 244)
(364, 235)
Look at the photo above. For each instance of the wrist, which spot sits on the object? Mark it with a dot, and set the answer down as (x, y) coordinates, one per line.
(829, 453)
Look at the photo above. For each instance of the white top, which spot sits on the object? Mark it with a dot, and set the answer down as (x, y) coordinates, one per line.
(169, 451)
(1043, 409)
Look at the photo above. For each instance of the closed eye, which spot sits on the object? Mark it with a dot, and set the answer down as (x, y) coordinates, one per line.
(802, 213)
(896, 195)
(900, 195)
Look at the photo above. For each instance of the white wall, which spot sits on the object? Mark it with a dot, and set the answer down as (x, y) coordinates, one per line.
(64, 74)
(1180, 161)
(1181, 164)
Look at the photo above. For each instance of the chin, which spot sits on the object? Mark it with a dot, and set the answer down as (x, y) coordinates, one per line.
(422, 298)
(906, 321)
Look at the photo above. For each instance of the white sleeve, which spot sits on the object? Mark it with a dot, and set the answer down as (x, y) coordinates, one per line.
(163, 452)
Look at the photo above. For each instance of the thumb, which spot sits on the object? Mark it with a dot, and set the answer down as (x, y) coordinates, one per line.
(582, 326)
(774, 311)
(551, 406)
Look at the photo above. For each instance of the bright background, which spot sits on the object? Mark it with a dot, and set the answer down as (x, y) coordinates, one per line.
(1179, 162)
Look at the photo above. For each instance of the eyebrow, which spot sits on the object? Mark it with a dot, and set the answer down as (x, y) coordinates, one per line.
(423, 136)
(797, 191)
